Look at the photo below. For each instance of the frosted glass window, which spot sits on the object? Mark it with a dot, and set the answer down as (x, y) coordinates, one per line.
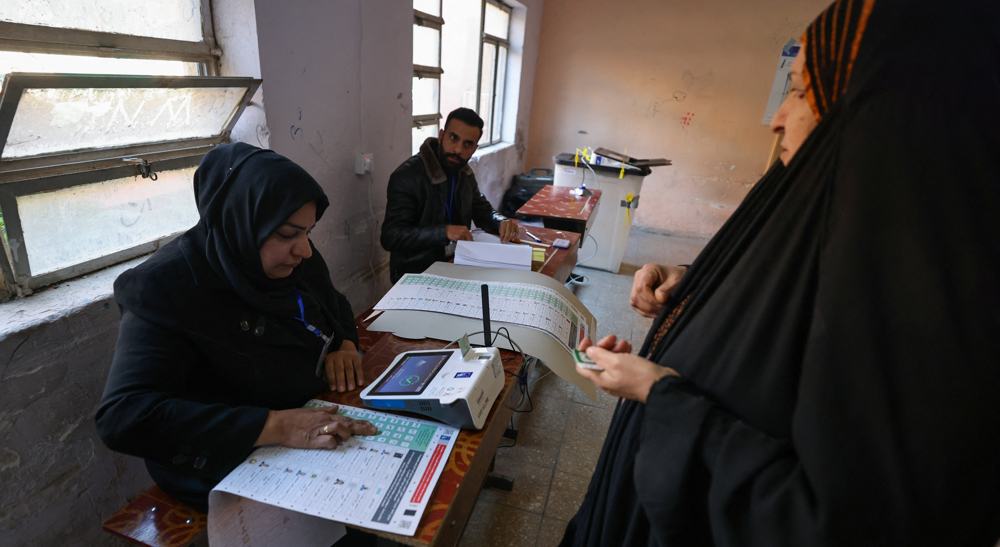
(497, 21)
(71, 226)
(16, 61)
(420, 134)
(460, 54)
(173, 19)
(60, 120)
(426, 46)
(486, 89)
(497, 116)
(425, 96)
(430, 7)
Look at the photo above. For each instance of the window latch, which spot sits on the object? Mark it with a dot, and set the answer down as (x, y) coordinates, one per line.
(145, 169)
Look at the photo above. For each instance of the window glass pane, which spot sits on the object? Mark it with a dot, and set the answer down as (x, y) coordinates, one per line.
(16, 61)
(174, 19)
(501, 81)
(486, 91)
(430, 7)
(60, 120)
(497, 21)
(460, 38)
(425, 96)
(426, 46)
(420, 134)
(74, 225)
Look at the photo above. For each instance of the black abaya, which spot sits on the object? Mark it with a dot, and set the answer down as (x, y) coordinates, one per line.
(839, 338)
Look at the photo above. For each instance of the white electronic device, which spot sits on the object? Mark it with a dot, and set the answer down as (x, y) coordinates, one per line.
(441, 384)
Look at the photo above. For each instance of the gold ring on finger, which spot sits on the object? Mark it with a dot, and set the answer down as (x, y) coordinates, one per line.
(325, 430)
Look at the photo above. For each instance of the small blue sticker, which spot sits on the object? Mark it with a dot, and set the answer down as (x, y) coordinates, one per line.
(445, 437)
(463, 375)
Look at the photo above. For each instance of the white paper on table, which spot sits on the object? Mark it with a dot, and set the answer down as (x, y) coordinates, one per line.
(484, 237)
(408, 317)
(381, 482)
(524, 304)
(493, 255)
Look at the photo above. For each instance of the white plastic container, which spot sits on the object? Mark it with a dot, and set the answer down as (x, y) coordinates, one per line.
(611, 227)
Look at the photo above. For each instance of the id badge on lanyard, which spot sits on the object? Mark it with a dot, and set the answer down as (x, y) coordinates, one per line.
(449, 249)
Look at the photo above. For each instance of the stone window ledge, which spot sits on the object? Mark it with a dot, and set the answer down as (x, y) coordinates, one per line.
(61, 300)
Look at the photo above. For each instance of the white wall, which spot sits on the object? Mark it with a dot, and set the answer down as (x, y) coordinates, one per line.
(336, 82)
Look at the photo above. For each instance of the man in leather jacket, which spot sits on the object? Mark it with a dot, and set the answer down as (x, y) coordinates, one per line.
(433, 197)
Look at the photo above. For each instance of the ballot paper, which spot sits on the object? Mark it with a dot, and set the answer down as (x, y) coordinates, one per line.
(484, 237)
(524, 304)
(493, 255)
(291, 496)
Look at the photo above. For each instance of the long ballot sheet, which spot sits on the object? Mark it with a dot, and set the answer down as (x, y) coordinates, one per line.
(382, 482)
(522, 304)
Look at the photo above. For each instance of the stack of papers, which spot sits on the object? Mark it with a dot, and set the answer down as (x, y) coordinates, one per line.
(493, 255)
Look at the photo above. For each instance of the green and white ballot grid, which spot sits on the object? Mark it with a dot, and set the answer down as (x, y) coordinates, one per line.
(543, 317)
(293, 496)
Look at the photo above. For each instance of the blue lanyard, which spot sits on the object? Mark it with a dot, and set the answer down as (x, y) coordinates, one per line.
(302, 312)
(447, 206)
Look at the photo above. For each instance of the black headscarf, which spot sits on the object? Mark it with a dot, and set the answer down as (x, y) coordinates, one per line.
(244, 194)
(838, 337)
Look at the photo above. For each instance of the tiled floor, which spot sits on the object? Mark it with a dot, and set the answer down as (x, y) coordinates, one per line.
(560, 439)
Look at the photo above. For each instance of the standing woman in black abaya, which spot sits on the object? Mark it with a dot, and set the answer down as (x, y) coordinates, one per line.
(825, 373)
(229, 329)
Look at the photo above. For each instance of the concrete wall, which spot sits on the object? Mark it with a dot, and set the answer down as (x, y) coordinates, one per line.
(337, 82)
(686, 80)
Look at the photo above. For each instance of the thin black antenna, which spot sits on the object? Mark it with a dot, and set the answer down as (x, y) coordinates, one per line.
(486, 315)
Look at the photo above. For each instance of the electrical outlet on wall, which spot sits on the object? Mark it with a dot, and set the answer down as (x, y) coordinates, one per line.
(363, 164)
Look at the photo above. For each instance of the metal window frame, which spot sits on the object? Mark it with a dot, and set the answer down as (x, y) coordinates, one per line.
(497, 42)
(17, 276)
(26, 38)
(420, 71)
(65, 41)
(26, 176)
(43, 165)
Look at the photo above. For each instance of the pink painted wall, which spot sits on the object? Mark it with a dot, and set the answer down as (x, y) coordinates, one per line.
(686, 80)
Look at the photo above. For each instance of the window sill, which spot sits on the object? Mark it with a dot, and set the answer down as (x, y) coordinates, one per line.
(65, 298)
(491, 149)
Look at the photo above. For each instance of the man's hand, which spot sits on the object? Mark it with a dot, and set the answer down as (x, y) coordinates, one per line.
(651, 287)
(458, 233)
(508, 231)
(343, 367)
(311, 428)
(624, 374)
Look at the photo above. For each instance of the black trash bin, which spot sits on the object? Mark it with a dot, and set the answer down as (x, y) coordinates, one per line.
(522, 189)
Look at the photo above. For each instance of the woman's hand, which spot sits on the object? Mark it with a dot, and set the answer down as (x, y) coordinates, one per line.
(624, 374)
(311, 428)
(610, 343)
(651, 286)
(343, 368)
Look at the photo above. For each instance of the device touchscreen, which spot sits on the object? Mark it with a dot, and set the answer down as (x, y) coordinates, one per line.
(412, 373)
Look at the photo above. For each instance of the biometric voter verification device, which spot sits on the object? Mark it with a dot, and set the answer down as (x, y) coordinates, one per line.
(442, 384)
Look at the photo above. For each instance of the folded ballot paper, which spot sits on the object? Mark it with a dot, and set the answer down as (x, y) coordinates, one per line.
(493, 255)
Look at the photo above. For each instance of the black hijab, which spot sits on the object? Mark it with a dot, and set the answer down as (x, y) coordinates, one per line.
(838, 338)
(244, 194)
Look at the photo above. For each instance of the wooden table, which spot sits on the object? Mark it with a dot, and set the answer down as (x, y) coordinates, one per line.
(561, 209)
(154, 518)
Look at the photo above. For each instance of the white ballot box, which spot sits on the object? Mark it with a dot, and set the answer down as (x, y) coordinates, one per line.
(611, 227)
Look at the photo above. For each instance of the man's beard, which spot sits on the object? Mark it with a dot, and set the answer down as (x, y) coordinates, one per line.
(448, 166)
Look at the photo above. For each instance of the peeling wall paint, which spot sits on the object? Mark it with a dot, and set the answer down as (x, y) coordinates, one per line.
(685, 80)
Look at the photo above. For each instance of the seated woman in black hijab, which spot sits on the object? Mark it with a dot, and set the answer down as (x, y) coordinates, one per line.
(826, 371)
(223, 330)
